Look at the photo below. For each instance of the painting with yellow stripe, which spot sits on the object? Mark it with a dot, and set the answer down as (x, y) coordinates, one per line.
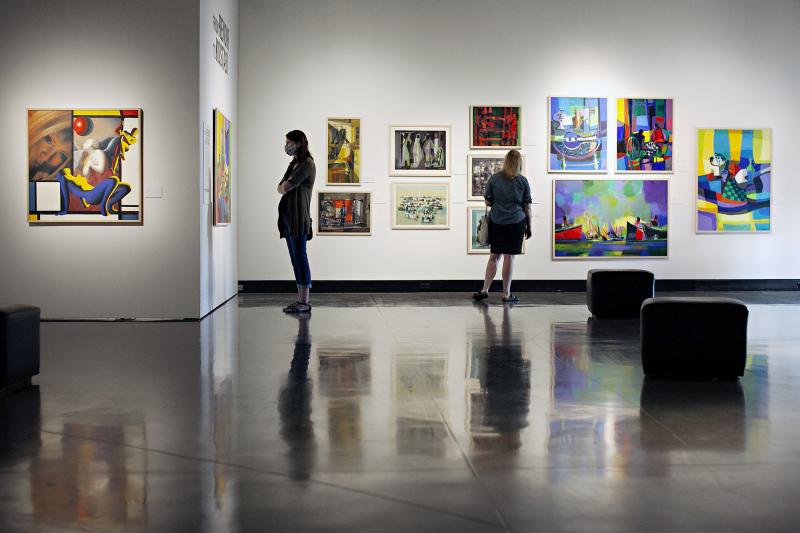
(85, 166)
(222, 169)
(734, 180)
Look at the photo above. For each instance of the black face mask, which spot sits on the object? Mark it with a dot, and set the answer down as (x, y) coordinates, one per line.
(290, 149)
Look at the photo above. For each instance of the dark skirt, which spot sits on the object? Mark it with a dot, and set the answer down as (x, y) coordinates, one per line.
(506, 238)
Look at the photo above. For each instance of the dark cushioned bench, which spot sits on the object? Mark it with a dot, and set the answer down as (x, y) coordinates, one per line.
(694, 337)
(19, 345)
(618, 293)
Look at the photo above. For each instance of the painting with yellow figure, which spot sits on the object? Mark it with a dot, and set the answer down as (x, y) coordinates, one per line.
(222, 169)
(85, 166)
(734, 180)
(344, 151)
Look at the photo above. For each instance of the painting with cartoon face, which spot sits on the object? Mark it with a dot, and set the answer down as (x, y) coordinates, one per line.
(734, 180)
(84, 166)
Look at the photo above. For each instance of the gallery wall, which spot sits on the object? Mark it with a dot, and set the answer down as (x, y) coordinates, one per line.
(725, 63)
(90, 54)
(218, 90)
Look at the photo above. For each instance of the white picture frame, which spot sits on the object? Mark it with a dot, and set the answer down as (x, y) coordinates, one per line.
(475, 157)
(420, 150)
(416, 205)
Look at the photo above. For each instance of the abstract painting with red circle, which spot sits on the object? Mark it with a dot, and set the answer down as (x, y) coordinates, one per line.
(85, 166)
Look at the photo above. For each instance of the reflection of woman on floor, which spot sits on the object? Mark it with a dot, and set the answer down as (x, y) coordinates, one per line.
(294, 406)
(505, 378)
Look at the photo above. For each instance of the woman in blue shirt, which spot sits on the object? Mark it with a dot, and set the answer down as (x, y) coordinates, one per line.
(508, 194)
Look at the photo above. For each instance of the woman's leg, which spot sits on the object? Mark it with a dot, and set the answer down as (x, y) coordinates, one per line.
(508, 273)
(303, 270)
(491, 271)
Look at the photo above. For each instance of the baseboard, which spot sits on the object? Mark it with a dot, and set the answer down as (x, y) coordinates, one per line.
(522, 285)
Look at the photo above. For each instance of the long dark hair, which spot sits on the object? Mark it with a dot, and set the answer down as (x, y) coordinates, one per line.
(300, 139)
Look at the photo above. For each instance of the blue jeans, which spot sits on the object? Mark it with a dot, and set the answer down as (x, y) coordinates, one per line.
(297, 253)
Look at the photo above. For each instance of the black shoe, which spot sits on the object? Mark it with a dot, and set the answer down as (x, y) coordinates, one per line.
(480, 296)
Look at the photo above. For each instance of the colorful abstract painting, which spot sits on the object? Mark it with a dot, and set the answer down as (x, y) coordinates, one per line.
(344, 213)
(480, 167)
(222, 169)
(420, 206)
(734, 180)
(419, 150)
(578, 134)
(344, 151)
(474, 214)
(610, 218)
(85, 166)
(495, 127)
(644, 134)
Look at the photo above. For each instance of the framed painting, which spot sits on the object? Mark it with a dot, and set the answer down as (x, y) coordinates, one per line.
(577, 132)
(495, 126)
(480, 167)
(610, 218)
(644, 135)
(734, 180)
(474, 214)
(85, 166)
(222, 169)
(344, 151)
(420, 206)
(419, 150)
(344, 213)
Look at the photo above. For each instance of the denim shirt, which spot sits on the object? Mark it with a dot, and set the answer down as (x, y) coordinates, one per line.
(508, 197)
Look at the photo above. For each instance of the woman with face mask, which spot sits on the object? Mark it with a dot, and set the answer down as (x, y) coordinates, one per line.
(294, 214)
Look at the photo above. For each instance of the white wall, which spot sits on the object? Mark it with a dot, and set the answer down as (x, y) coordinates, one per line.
(218, 250)
(86, 53)
(726, 62)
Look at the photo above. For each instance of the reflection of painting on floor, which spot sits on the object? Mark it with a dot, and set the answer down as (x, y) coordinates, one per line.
(84, 166)
(644, 135)
(344, 213)
(578, 131)
(344, 151)
(610, 218)
(420, 205)
(734, 180)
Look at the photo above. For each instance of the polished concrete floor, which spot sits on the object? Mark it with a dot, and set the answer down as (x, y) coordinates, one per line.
(412, 412)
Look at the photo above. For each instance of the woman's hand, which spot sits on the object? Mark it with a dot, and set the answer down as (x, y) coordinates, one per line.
(528, 232)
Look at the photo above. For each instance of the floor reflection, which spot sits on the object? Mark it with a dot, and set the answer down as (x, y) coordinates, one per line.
(419, 381)
(344, 379)
(294, 406)
(498, 385)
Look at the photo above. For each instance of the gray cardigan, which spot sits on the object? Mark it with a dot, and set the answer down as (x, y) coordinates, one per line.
(296, 204)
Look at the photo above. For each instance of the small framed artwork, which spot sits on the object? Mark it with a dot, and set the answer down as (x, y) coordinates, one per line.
(85, 166)
(480, 167)
(578, 134)
(734, 181)
(420, 206)
(344, 213)
(610, 218)
(474, 214)
(419, 150)
(644, 135)
(344, 151)
(495, 126)
(222, 169)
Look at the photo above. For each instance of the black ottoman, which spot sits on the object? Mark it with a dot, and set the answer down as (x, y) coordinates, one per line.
(694, 337)
(618, 293)
(19, 345)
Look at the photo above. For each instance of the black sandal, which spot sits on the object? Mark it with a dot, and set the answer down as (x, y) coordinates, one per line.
(298, 307)
(480, 296)
(511, 299)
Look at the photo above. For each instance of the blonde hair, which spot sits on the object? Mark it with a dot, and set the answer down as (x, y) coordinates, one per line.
(512, 164)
